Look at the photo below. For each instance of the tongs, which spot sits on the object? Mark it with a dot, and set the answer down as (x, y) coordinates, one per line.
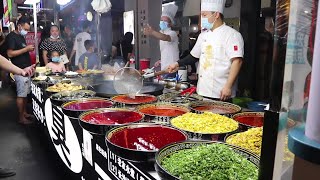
(149, 73)
(187, 93)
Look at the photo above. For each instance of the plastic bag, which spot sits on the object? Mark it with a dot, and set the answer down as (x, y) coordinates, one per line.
(101, 6)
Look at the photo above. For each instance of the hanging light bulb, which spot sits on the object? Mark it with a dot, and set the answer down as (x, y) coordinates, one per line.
(63, 2)
(89, 16)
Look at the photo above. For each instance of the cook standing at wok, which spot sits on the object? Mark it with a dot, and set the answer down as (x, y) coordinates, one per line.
(220, 50)
(168, 38)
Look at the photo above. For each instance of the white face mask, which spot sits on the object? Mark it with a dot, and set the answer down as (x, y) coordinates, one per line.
(52, 37)
(23, 32)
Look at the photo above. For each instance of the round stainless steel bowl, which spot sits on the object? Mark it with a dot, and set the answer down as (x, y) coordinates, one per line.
(102, 120)
(140, 142)
(74, 109)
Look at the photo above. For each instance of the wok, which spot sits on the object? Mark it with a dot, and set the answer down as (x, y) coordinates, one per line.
(106, 89)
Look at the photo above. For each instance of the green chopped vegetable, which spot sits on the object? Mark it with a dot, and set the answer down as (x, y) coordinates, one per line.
(210, 162)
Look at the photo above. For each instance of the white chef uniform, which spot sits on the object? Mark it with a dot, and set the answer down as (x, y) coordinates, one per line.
(78, 45)
(169, 50)
(215, 49)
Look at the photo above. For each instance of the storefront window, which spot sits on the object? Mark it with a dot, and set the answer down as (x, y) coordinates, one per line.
(296, 85)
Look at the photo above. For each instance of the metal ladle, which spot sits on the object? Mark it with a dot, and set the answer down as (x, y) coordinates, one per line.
(129, 81)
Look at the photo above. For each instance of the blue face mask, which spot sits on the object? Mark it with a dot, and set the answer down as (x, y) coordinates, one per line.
(163, 25)
(55, 59)
(205, 24)
(23, 32)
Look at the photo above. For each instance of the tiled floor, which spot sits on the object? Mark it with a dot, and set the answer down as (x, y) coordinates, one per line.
(23, 149)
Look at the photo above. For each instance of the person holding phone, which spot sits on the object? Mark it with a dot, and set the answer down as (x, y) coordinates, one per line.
(18, 52)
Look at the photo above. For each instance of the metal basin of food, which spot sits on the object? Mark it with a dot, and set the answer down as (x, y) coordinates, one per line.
(102, 120)
(138, 99)
(56, 74)
(43, 84)
(42, 71)
(250, 140)
(39, 74)
(63, 86)
(175, 97)
(249, 120)
(205, 126)
(140, 142)
(94, 73)
(217, 107)
(190, 157)
(74, 109)
(60, 98)
(162, 112)
(71, 74)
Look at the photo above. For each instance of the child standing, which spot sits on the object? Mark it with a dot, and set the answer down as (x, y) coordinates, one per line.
(56, 65)
(88, 60)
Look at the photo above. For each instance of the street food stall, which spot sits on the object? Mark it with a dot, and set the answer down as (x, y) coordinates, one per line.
(123, 137)
(138, 126)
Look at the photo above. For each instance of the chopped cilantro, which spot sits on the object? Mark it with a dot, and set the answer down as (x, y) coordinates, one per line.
(210, 162)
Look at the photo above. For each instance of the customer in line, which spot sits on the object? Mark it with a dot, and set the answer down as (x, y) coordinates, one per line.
(68, 37)
(78, 46)
(3, 52)
(18, 52)
(56, 65)
(89, 60)
(53, 43)
(9, 67)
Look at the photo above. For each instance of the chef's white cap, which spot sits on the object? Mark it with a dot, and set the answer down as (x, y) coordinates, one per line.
(170, 11)
(213, 5)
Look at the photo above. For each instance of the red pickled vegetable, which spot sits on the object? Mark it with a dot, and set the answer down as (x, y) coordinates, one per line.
(112, 117)
(146, 138)
(88, 105)
(255, 121)
(163, 111)
(136, 100)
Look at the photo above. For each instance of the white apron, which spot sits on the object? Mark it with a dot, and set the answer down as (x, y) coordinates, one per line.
(169, 50)
(214, 67)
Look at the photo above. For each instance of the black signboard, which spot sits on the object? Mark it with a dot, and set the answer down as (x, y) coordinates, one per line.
(85, 155)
